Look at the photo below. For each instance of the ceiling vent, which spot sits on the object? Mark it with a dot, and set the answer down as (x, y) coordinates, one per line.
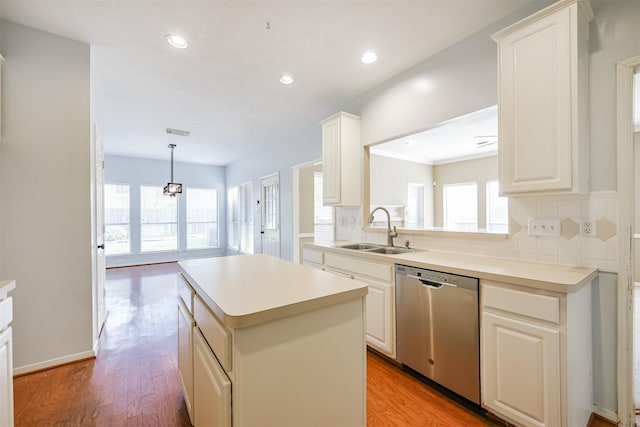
(178, 132)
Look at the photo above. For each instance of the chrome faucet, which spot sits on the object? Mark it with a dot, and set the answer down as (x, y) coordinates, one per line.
(390, 234)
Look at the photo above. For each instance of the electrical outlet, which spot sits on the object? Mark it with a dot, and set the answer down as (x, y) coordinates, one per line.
(549, 227)
(588, 227)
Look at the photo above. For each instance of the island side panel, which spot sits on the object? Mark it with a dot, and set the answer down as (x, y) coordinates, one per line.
(304, 370)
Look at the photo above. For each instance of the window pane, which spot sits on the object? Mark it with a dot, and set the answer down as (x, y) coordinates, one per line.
(232, 217)
(202, 205)
(116, 204)
(461, 206)
(159, 237)
(159, 213)
(117, 239)
(415, 206)
(246, 218)
(157, 208)
(202, 235)
(497, 208)
(116, 219)
(202, 218)
(323, 223)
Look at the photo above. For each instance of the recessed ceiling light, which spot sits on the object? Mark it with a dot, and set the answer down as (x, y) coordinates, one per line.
(286, 79)
(369, 58)
(176, 41)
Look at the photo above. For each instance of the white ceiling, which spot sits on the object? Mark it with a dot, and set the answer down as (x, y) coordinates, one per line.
(224, 88)
(471, 136)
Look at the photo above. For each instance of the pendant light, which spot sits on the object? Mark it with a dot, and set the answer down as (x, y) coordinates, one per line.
(172, 188)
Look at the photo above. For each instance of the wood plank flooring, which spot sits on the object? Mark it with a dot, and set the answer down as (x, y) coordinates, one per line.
(134, 381)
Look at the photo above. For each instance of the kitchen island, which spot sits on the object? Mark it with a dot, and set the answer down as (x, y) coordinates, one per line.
(265, 342)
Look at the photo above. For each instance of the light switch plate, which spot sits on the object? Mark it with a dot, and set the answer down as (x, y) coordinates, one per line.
(548, 227)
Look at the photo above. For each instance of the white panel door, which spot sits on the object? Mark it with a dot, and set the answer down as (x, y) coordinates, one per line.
(521, 378)
(100, 266)
(270, 214)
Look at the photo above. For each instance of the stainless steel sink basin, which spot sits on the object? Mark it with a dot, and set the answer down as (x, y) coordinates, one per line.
(361, 246)
(391, 250)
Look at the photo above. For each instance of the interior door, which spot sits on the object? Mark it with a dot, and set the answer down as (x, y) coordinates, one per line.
(270, 215)
(100, 250)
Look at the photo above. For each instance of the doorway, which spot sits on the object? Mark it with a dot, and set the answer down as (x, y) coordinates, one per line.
(628, 221)
(270, 214)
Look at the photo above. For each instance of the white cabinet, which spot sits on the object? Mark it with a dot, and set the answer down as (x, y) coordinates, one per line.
(6, 355)
(523, 362)
(312, 258)
(212, 387)
(274, 372)
(379, 276)
(185, 355)
(341, 160)
(534, 345)
(543, 101)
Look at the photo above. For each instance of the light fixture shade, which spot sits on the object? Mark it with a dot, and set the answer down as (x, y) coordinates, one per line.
(172, 188)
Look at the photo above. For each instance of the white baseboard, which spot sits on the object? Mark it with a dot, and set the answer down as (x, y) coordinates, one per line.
(608, 414)
(53, 362)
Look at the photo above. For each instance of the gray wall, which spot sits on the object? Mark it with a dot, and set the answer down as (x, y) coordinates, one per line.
(137, 172)
(46, 208)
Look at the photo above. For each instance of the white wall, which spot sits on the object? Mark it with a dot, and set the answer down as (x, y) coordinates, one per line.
(45, 219)
(137, 172)
(300, 148)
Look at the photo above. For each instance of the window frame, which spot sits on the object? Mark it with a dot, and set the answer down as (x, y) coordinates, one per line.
(142, 224)
(127, 224)
(187, 222)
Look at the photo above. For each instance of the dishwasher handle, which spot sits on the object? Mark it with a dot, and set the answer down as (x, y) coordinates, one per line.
(432, 283)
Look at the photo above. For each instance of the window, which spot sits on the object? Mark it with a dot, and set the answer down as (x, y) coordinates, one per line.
(415, 206)
(497, 208)
(461, 206)
(323, 216)
(117, 230)
(158, 220)
(240, 217)
(202, 218)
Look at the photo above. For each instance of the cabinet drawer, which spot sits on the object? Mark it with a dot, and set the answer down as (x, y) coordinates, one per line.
(312, 257)
(6, 313)
(186, 293)
(360, 267)
(543, 307)
(215, 333)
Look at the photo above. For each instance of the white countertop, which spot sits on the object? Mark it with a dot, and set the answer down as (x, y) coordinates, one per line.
(552, 277)
(6, 286)
(247, 290)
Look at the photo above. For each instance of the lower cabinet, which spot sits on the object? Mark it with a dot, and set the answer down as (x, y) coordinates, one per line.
(522, 370)
(6, 379)
(212, 387)
(185, 355)
(380, 298)
(536, 355)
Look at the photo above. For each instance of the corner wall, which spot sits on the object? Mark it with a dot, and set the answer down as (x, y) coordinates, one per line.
(45, 177)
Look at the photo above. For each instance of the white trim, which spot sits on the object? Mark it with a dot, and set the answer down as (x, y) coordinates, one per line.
(295, 207)
(610, 415)
(624, 112)
(51, 363)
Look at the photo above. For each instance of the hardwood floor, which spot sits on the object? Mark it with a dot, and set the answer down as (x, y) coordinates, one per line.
(134, 381)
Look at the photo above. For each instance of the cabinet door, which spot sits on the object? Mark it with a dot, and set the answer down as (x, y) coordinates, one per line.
(185, 355)
(331, 177)
(521, 371)
(212, 388)
(536, 106)
(6, 379)
(380, 317)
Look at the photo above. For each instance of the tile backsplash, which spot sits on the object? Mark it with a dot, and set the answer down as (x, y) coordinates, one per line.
(571, 247)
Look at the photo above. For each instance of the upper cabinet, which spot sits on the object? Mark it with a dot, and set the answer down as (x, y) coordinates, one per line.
(543, 101)
(341, 160)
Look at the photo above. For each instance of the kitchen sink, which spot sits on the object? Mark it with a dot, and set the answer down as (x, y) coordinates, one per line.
(361, 246)
(391, 250)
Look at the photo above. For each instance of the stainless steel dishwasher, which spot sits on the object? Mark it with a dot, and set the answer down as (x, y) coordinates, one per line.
(437, 328)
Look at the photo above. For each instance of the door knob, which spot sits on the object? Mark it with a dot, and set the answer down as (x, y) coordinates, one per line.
(101, 246)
